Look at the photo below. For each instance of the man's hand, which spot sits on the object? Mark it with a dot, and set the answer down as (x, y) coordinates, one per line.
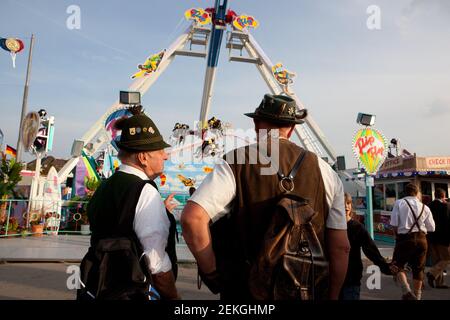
(169, 203)
(386, 268)
(164, 283)
(211, 280)
(393, 268)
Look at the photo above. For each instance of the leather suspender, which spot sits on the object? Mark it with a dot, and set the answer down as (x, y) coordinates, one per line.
(286, 182)
(416, 220)
(290, 177)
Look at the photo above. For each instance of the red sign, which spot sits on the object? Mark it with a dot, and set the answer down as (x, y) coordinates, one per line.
(438, 162)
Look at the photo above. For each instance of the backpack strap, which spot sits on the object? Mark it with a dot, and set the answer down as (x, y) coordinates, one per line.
(152, 183)
(416, 220)
(289, 179)
(127, 221)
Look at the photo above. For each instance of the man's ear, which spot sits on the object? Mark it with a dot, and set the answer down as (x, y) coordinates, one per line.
(141, 157)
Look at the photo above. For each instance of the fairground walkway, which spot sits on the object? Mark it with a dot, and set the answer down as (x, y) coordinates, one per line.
(74, 247)
(57, 248)
(40, 268)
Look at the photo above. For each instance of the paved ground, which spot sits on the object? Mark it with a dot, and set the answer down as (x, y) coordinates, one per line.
(58, 248)
(44, 281)
(48, 281)
(27, 270)
(390, 291)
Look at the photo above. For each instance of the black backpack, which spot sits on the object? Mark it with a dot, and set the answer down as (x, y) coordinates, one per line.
(115, 266)
(114, 269)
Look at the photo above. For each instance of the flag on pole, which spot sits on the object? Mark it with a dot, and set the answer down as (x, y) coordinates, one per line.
(11, 151)
(12, 45)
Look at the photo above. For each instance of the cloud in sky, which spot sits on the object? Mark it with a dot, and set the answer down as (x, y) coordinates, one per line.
(95, 58)
(419, 9)
(416, 6)
(438, 108)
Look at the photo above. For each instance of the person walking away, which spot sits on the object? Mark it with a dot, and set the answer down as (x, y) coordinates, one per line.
(411, 220)
(359, 239)
(439, 240)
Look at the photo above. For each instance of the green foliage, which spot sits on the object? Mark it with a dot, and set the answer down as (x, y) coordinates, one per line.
(11, 227)
(91, 183)
(35, 222)
(9, 176)
(35, 218)
(13, 224)
(79, 204)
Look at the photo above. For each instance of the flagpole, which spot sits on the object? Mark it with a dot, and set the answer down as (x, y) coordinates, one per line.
(25, 101)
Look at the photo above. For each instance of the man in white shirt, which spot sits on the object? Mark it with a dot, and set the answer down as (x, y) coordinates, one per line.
(243, 192)
(411, 220)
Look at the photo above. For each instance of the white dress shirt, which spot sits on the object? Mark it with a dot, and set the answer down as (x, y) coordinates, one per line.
(218, 190)
(402, 217)
(151, 224)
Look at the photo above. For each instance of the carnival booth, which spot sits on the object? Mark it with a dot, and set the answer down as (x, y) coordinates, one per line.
(429, 173)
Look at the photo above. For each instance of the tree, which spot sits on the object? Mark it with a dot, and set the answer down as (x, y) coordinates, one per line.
(9, 178)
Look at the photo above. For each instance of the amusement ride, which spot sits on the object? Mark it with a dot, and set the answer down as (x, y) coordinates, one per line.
(206, 31)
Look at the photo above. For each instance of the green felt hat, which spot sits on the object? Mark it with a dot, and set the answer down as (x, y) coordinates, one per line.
(139, 133)
(279, 109)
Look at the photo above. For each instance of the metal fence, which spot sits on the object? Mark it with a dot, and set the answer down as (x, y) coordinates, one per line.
(22, 217)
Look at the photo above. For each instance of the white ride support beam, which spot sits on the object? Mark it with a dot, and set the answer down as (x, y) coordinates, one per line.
(141, 85)
(208, 85)
(308, 133)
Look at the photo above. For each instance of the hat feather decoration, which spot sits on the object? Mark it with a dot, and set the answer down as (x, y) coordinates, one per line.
(135, 110)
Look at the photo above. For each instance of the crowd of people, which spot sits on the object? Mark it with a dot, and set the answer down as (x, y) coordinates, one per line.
(277, 228)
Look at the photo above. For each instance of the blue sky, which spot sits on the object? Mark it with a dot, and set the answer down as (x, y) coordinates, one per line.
(401, 73)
